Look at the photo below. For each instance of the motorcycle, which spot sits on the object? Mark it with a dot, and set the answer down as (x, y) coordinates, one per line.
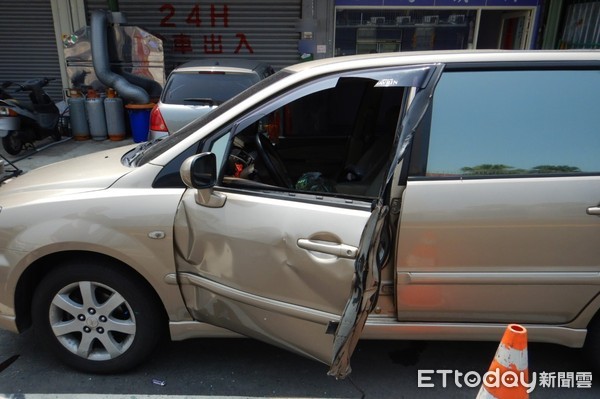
(21, 123)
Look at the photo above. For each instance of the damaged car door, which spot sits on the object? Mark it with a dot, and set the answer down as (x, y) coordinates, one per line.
(290, 264)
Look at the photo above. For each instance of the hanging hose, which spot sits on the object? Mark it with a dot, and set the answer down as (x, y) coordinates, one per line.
(100, 60)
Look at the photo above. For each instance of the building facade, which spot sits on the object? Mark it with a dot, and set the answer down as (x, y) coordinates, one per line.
(33, 33)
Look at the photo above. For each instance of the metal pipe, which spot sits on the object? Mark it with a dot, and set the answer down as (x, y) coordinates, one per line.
(100, 60)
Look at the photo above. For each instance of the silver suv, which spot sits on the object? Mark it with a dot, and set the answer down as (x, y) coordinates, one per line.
(430, 196)
(199, 86)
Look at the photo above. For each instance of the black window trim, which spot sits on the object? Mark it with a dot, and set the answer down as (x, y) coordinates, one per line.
(522, 65)
(324, 199)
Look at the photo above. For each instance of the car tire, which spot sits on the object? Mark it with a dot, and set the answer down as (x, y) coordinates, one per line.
(96, 318)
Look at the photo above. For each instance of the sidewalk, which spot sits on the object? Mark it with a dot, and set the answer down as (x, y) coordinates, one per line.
(49, 151)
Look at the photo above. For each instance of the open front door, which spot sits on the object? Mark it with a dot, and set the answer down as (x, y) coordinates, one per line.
(274, 269)
(284, 278)
(297, 264)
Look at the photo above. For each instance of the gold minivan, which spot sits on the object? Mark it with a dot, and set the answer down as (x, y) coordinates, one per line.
(434, 196)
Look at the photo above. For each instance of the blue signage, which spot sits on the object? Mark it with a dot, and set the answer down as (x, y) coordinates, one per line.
(462, 3)
(511, 3)
(440, 3)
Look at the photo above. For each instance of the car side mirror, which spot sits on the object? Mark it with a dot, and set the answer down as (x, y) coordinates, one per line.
(200, 172)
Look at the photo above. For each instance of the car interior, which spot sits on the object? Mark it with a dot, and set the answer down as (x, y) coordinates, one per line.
(335, 141)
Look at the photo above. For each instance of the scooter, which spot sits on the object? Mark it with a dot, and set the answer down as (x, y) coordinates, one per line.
(21, 124)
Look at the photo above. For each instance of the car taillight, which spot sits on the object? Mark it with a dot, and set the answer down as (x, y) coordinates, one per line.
(5, 111)
(157, 123)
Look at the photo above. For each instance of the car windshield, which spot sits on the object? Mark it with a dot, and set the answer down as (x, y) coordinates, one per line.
(215, 87)
(145, 152)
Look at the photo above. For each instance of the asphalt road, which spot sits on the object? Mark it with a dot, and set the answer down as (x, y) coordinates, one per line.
(247, 368)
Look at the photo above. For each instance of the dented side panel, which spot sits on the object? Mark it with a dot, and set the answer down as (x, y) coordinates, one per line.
(241, 267)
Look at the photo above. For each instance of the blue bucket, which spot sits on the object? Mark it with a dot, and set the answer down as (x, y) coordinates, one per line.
(139, 119)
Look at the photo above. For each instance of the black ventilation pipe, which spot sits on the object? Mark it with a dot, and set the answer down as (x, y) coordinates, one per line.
(101, 62)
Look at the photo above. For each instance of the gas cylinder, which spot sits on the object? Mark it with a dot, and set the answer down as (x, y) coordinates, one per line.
(79, 123)
(115, 116)
(94, 106)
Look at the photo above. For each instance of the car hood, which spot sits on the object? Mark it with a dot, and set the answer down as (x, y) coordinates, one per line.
(85, 173)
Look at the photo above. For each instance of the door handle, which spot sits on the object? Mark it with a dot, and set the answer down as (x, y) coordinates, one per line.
(331, 248)
(593, 210)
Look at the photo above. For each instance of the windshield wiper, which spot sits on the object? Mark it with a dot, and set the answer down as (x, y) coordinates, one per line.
(202, 100)
(139, 150)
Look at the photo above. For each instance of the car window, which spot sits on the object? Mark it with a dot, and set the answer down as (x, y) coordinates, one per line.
(219, 147)
(333, 136)
(512, 122)
(189, 88)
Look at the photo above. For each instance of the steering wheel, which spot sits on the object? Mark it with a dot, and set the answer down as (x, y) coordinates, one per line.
(273, 161)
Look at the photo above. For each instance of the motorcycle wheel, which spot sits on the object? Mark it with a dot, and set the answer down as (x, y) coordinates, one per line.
(12, 143)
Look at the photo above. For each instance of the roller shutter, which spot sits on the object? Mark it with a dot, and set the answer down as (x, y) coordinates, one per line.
(28, 44)
(264, 30)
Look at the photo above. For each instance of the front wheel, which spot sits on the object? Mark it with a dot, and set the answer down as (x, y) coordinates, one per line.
(12, 143)
(96, 318)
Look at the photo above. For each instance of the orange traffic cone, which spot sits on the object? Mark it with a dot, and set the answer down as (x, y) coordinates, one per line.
(508, 377)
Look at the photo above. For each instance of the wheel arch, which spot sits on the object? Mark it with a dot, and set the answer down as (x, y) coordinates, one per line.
(35, 273)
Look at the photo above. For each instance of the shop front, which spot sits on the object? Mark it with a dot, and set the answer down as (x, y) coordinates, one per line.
(376, 26)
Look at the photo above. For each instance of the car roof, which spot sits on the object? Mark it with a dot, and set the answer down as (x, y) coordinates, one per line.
(453, 56)
(215, 64)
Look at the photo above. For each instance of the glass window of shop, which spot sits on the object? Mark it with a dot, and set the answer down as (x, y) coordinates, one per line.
(363, 31)
(581, 27)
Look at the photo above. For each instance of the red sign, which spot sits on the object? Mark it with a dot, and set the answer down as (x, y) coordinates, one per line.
(213, 43)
